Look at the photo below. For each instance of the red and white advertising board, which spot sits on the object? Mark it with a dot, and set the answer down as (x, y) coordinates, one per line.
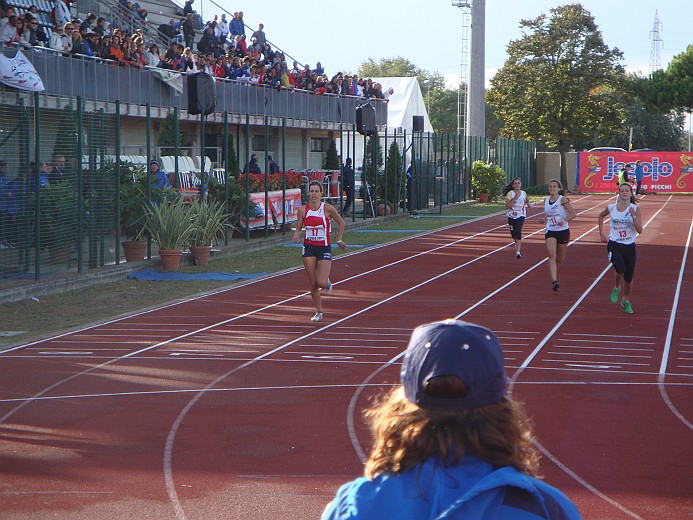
(276, 210)
(663, 172)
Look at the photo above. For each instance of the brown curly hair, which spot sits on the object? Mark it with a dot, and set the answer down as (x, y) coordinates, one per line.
(405, 435)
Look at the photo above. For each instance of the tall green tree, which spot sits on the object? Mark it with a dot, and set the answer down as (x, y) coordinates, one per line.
(331, 161)
(560, 83)
(167, 138)
(391, 186)
(670, 89)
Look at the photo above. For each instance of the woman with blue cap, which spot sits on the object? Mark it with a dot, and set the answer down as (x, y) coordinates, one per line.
(447, 443)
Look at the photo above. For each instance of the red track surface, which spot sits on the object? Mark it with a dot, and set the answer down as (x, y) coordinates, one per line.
(235, 405)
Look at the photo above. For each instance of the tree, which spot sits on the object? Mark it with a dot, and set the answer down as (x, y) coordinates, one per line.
(560, 83)
(671, 89)
(331, 161)
(391, 185)
(167, 138)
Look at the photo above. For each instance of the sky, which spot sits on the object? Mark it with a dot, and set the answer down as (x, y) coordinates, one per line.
(341, 35)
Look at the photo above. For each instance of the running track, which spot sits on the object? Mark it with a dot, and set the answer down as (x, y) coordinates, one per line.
(235, 405)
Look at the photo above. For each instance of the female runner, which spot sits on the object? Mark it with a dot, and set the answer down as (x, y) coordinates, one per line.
(516, 203)
(317, 253)
(558, 212)
(625, 225)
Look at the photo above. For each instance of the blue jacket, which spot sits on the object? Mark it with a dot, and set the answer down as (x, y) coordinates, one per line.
(639, 171)
(471, 490)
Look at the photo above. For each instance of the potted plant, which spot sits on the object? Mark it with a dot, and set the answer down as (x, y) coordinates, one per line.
(170, 227)
(208, 219)
(487, 180)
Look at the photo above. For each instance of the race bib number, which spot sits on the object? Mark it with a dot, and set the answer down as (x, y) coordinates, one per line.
(315, 233)
(554, 222)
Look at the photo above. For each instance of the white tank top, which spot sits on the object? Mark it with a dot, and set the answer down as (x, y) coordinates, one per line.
(518, 208)
(555, 215)
(622, 227)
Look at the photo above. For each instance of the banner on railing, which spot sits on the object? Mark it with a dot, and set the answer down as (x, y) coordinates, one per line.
(171, 78)
(663, 172)
(290, 209)
(18, 72)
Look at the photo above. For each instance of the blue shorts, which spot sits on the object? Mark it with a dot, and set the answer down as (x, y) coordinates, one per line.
(562, 237)
(319, 252)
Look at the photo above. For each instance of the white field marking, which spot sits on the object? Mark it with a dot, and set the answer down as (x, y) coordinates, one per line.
(535, 352)
(606, 341)
(189, 391)
(555, 353)
(608, 336)
(606, 348)
(361, 346)
(334, 340)
(670, 332)
(369, 334)
(352, 354)
(51, 492)
(65, 353)
(590, 487)
(603, 367)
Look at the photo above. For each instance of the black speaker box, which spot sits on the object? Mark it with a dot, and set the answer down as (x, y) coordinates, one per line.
(365, 119)
(202, 97)
(418, 124)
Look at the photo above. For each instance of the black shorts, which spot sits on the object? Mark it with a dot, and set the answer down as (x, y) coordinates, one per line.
(622, 257)
(516, 227)
(562, 237)
(319, 252)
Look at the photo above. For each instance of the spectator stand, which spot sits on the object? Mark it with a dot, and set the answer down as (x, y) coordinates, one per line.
(43, 16)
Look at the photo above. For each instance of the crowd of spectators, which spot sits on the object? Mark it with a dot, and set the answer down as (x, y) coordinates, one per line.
(221, 51)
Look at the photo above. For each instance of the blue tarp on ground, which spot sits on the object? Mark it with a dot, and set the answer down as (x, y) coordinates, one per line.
(150, 274)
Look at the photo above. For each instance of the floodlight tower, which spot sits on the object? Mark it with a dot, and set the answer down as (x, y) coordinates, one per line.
(463, 85)
(476, 115)
(655, 50)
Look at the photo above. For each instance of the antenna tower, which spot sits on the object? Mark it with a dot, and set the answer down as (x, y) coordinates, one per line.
(655, 51)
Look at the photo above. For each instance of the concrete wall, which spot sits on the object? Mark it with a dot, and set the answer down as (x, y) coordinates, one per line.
(549, 167)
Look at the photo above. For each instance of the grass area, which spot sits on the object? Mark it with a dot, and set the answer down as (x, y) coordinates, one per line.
(55, 313)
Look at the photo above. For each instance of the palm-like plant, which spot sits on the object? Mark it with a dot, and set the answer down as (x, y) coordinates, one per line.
(169, 224)
(208, 219)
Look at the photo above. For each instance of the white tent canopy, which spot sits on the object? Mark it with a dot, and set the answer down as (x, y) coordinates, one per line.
(405, 103)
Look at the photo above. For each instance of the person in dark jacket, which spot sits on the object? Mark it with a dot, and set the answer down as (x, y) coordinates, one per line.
(348, 186)
(252, 166)
(448, 443)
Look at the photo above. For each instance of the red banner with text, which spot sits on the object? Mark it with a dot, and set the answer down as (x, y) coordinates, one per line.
(662, 172)
(290, 208)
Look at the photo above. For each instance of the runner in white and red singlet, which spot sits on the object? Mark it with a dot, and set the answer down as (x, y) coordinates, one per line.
(558, 212)
(315, 217)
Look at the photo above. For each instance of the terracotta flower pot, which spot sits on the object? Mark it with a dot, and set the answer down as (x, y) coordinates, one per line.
(383, 209)
(483, 197)
(170, 258)
(135, 250)
(201, 254)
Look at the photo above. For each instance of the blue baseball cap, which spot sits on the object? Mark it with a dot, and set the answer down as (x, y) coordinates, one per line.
(454, 348)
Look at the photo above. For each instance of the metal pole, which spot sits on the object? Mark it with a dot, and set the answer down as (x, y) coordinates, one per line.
(37, 195)
(283, 175)
(227, 152)
(117, 180)
(149, 172)
(247, 178)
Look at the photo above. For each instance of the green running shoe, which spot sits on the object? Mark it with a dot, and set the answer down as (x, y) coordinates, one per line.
(627, 306)
(614, 294)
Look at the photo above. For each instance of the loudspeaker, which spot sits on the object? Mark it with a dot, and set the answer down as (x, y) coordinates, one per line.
(418, 124)
(365, 119)
(202, 96)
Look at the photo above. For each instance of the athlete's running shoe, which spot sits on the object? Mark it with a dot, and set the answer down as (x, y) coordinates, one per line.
(317, 317)
(518, 255)
(614, 294)
(627, 307)
(328, 288)
(555, 285)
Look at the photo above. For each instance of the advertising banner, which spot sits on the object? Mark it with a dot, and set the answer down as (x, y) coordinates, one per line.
(663, 172)
(291, 205)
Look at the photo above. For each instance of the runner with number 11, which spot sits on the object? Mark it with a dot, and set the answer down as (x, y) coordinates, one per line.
(558, 212)
(315, 217)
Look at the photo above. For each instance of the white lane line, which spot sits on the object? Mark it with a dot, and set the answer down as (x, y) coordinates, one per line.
(670, 332)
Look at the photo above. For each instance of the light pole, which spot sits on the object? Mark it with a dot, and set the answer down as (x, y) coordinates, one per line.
(463, 83)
